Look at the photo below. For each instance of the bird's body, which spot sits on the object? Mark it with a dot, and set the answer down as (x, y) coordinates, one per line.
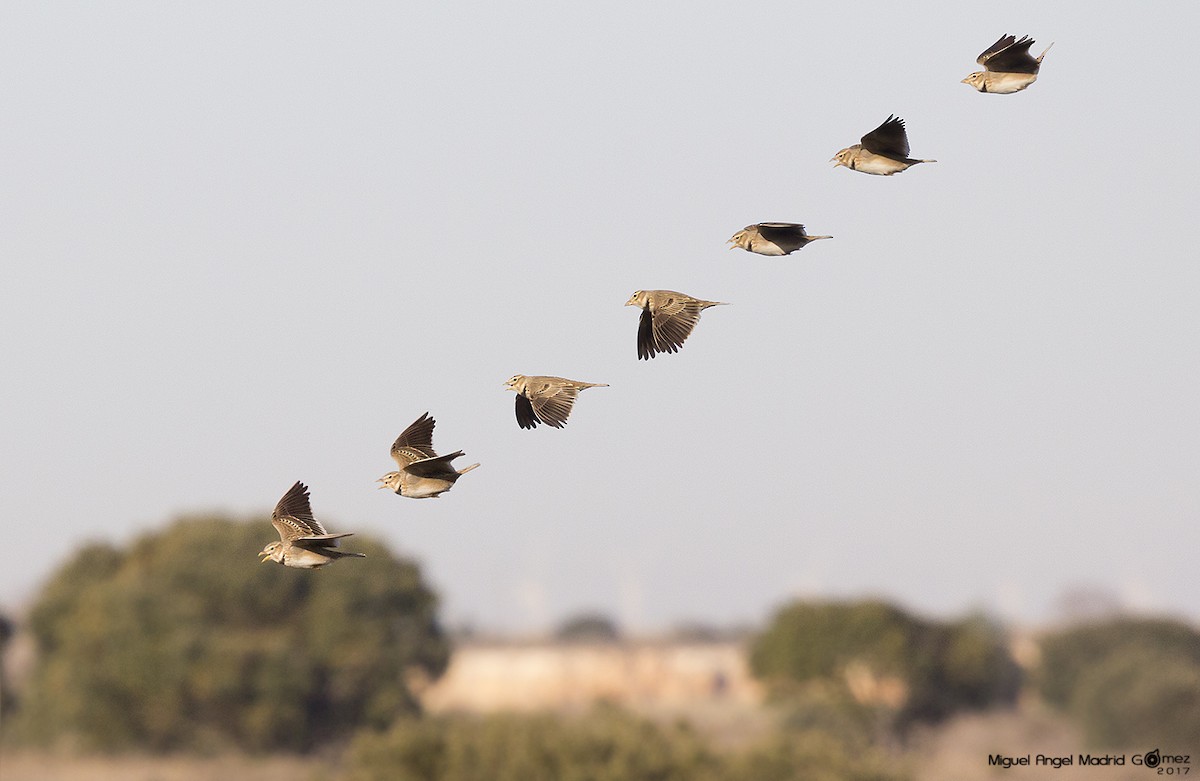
(303, 541)
(546, 400)
(423, 474)
(667, 320)
(772, 238)
(1008, 66)
(882, 152)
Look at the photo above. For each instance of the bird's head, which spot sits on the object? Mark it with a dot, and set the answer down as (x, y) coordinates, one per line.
(637, 299)
(845, 156)
(976, 80)
(740, 239)
(391, 480)
(516, 383)
(273, 552)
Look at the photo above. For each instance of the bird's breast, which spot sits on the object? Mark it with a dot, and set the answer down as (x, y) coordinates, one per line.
(1008, 83)
(871, 163)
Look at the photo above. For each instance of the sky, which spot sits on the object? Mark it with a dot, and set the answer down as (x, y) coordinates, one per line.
(246, 244)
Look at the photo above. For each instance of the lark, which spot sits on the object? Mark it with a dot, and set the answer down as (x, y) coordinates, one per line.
(1007, 66)
(303, 541)
(546, 400)
(667, 320)
(772, 238)
(423, 474)
(883, 151)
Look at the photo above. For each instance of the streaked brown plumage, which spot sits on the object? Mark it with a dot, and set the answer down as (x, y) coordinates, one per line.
(668, 318)
(772, 238)
(303, 541)
(546, 400)
(882, 152)
(423, 474)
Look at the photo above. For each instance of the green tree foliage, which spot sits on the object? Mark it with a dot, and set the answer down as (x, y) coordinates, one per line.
(607, 744)
(185, 641)
(940, 667)
(1129, 682)
(1070, 654)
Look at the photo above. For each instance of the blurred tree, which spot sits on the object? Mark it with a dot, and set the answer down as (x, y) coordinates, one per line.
(7, 630)
(588, 628)
(1069, 654)
(1139, 697)
(966, 666)
(185, 641)
(808, 640)
(607, 744)
(907, 669)
(1129, 682)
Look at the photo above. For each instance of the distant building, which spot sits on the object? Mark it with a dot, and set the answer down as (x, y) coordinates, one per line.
(654, 676)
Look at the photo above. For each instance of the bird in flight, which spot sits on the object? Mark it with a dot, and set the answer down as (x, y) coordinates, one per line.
(423, 474)
(1008, 66)
(883, 151)
(303, 541)
(772, 238)
(667, 320)
(546, 400)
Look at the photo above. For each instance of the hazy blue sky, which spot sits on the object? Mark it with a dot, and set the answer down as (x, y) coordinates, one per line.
(248, 243)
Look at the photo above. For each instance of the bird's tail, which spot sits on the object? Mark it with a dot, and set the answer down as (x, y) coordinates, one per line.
(1043, 54)
(815, 238)
(466, 469)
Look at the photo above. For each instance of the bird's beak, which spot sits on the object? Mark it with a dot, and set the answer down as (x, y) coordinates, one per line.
(833, 159)
(380, 486)
(965, 81)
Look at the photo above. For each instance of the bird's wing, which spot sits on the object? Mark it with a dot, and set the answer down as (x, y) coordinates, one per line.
(781, 231)
(437, 466)
(552, 403)
(415, 442)
(889, 139)
(674, 318)
(525, 415)
(293, 517)
(645, 338)
(1002, 43)
(1014, 58)
(320, 542)
(323, 537)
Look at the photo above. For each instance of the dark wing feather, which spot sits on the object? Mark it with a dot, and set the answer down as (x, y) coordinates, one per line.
(293, 516)
(645, 337)
(415, 442)
(525, 416)
(888, 140)
(1015, 58)
(1002, 43)
(324, 543)
(776, 232)
(439, 466)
